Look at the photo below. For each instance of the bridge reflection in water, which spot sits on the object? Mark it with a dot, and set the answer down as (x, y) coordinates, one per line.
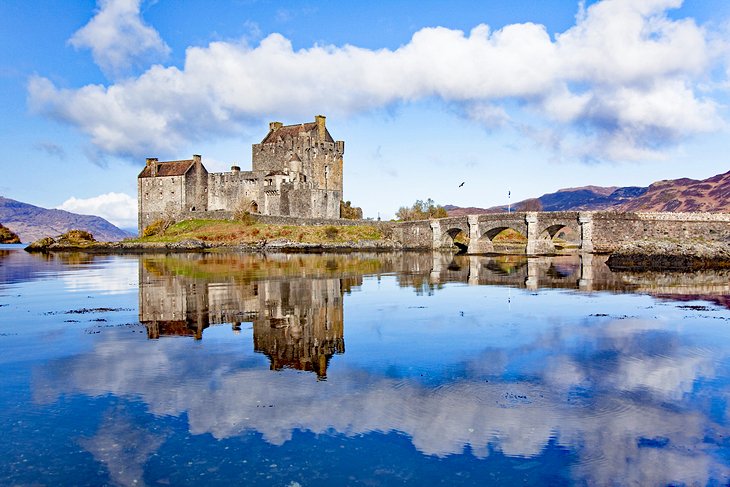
(295, 302)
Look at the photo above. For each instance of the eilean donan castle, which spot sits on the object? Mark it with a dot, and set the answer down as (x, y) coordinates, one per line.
(296, 171)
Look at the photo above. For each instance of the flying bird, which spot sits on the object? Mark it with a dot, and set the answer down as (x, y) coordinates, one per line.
(462, 184)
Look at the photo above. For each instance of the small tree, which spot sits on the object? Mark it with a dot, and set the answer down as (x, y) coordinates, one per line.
(421, 210)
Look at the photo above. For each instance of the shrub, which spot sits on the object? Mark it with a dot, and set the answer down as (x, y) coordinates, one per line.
(350, 212)
(243, 214)
(156, 227)
(245, 218)
(78, 236)
(331, 232)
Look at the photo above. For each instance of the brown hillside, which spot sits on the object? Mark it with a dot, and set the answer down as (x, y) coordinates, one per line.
(678, 195)
(711, 195)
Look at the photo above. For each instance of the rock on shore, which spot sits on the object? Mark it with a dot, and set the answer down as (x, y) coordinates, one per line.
(680, 256)
(7, 236)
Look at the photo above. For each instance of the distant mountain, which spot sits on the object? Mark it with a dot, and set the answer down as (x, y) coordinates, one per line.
(33, 222)
(710, 195)
(454, 210)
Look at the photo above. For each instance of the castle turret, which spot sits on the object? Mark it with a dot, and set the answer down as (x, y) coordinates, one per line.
(321, 129)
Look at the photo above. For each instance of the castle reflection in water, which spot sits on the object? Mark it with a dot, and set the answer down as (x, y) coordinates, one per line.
(295, 301)
(297, 318)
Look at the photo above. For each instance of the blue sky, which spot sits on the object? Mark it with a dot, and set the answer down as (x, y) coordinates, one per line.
(527, 96)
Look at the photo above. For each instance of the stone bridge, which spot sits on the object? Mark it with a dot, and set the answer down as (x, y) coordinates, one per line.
(585, 231)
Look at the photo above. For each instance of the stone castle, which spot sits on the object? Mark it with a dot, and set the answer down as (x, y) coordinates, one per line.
(296, 171)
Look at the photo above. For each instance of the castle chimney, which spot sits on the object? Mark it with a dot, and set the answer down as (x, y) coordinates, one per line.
(235, 169)
(320, 126)
(152, 164)
(197, 158)
(274, 126)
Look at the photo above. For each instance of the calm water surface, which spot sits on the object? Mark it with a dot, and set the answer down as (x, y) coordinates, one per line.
(362, 369)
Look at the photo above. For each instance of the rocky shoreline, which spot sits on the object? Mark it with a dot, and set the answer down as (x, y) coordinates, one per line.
(636, 256)
(51, 245)
(685, 256)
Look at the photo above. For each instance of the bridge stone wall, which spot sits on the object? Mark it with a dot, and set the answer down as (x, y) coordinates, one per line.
(413, 235)
(611, 230)
(538, 227)
(592, 231)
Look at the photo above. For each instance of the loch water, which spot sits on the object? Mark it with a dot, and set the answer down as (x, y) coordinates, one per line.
(360, 369)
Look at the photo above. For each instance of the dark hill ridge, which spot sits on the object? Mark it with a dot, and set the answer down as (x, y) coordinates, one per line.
(708, 195)
(33, 222)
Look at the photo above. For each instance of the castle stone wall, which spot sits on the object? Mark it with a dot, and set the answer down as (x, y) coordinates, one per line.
(160, 198)
(196, 184)
(229, 190)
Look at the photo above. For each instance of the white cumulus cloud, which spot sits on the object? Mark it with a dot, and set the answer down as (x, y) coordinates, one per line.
(119, 208)
(118, 38)
(623, 83)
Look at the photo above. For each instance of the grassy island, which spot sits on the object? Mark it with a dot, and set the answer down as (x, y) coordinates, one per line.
(224, 232)
(210, 234)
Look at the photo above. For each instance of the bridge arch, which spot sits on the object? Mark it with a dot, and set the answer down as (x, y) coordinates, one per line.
(558, 236)
(500, 238)
(455, 236)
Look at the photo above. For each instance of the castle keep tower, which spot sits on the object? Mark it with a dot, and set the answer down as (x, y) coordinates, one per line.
(296, 171)
(307, 151)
